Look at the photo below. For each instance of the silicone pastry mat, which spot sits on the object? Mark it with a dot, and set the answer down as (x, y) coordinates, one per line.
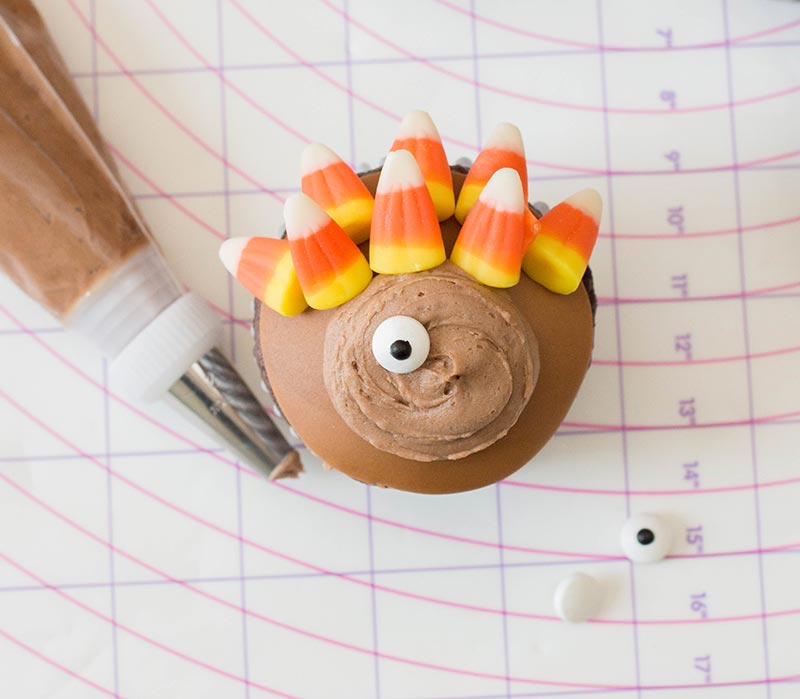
(138, 560)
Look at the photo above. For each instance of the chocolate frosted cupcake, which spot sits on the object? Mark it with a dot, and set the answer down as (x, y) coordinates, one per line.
(451, 366)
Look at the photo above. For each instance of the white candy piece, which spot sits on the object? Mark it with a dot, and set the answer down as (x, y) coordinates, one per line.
(401, 344)
(577, 598)
(646, 538)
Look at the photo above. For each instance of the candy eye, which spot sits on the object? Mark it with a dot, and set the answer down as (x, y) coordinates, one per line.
(401, 344)
(646, 538)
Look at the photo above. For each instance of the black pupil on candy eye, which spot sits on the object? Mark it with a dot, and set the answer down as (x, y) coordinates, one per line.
(645, 537)
(400, 349)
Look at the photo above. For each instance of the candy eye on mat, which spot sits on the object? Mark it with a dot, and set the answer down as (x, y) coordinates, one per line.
(401, 344)
(646, 538)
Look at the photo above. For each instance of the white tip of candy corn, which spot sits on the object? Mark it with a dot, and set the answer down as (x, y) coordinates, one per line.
(230, 253)
(400, 171)
(503, 191)
(589, 202)
(315, 157)
(302, 216)
(505, 136)
(418, 124)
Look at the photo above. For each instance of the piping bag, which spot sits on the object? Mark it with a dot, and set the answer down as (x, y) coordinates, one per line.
(73, 240)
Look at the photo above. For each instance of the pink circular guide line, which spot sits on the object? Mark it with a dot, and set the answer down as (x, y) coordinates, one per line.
(611, 300)
(163, 110)
(616, 47)
(299, 493)
(324, 571)
(282, 625)
(473, 147)
(611, 427)
(58, 666)
(742, 165)
(229, 316)
(140, 636)
(304, 632)
(505, 612)
(337, 506)
(170, 198)
(219, 457)
(621, 492)
(694, 362)
(701, 234)
(183, 41)
(232, 535)
(662, 111)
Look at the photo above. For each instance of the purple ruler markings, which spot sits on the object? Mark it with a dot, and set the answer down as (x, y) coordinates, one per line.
(434, 58)
(475, 59)
(223, 107)
(348, 65)
(758, 559)
(617, 318)
(95, 108)
(112, 583)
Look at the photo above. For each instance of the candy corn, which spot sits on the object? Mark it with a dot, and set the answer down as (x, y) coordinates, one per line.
(566, 235)
(330, 267)
(419, 136)
(264, 267)
(405, 233)
(503, 148)
(330, 182)
(491, 242)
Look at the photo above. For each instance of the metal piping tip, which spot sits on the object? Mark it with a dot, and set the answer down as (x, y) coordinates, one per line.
(215, 393)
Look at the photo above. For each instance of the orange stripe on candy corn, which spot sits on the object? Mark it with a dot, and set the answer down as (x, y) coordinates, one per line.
(330, 182)
(405, 236)
(420, 137)
(264, 267)
(559, 254)
(490, 245)
(503, 148)
(330, 267)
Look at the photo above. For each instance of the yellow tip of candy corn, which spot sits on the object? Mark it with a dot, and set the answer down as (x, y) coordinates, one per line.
(330, 267)
(402, 259)
(466, 200)
(332, 183)
(354, 217)
(553, 265)
(559, 254)
(264, 267)
(444, 202)
(482, 270)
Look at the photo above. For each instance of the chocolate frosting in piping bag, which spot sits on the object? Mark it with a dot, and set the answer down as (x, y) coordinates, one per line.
(71, 238)
(65, 220)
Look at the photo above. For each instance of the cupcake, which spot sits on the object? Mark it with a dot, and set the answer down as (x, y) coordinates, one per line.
(420, 326)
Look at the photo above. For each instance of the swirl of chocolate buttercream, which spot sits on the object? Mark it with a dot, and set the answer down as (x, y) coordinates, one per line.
(478, 377)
